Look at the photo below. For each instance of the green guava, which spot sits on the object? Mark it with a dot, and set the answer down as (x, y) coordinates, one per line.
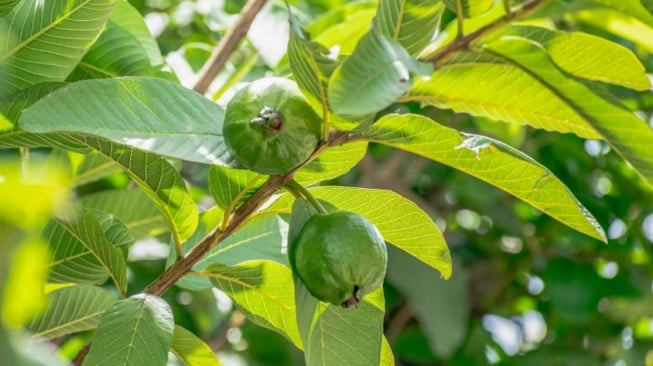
(339, 257)
(269, 127)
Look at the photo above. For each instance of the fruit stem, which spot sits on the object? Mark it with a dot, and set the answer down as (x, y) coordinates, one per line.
(299, 191)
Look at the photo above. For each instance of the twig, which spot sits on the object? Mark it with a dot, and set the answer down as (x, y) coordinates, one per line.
(227, 45)
(461, 43)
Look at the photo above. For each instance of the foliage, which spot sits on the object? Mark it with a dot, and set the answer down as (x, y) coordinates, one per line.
(131, 236)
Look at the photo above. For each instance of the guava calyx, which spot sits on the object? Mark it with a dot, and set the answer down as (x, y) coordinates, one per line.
(269, 119)
(339, 257)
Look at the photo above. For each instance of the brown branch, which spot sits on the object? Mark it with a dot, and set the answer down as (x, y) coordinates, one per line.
(462, 43)
(227, 45)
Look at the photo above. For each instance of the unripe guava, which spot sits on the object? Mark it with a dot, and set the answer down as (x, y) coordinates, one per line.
(269, 127)
(339, 257)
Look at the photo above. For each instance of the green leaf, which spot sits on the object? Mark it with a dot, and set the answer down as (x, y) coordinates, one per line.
(135, 331)
(226, 184)
(333, 335)
(638, 9)
(262, 289)
(6, 6)
(335, 162)
(260, 238)
(379, 71)
(191, 350)
(158, 179)
(631, 137)
(617, 23)
(441, 307)
(48, 34)
(150, 114)
(125, 47)
(114, 230)
(469, 8)
(399, 220)
(80, 251)
(132, 207)
(588, 56)
(344, 26)
(412, 23)
(489, 160)
(311, 66)
(648, 4)
(483, 85)
(71, 310)
(12, 106)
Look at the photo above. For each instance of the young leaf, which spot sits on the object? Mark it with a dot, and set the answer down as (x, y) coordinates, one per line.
(310, 66)
(80, 251)
(136, 331)
(226, 184)
(334, 335)
(378, 72)
(125, 47)
(260, 238)
(469, 8)
(71, 310)
(631, 137)
(489, 160)
(150, 114)
(588, 56)
(158, 179)
(54, 33)
(484, 85)
(132, 207)
(262, 289)
(333, 163)
(114, 230)
(412, 23)
(191, 350)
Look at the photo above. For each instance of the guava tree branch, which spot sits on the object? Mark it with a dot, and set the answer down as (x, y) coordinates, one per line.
(227, 45)
(462, 43)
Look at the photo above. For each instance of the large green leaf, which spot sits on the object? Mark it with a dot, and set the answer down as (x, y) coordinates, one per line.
(484, 85)
(133, 208)
(631, 137)
(333, 163)
(46, 39)
(125, 47)
(469, 8)
(260, 238)
(489, 160)
(94, 166)
(333, 335)
(158, 179)
(150, 114)
(80, 251)
(191, 350)
(70, 310)
(588, 56)
(226, 184)
(136, 331)
(412, 23)
(379, 71)
(400, 221)
(442, 307)
(263, 290)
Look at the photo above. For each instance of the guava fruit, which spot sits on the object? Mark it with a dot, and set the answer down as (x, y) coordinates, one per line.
(269, 127)
(339, 257)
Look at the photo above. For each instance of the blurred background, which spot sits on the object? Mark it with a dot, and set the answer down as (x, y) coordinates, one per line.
(526, 289)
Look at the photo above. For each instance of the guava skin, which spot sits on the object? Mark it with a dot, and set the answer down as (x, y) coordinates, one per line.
(339, 257)
(269, 127)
